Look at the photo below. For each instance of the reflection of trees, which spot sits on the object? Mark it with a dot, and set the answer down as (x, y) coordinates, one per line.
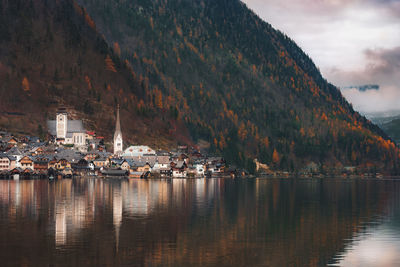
(186, 222)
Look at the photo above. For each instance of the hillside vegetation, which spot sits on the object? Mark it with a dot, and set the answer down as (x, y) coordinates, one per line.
(51, 56)
(206, 72)
(239, 84)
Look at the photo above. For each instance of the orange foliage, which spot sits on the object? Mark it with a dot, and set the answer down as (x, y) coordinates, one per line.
(151, 23)
(159, 100)
(110, 64)
(89, 83)
(25, 84)
(275, 156)
(89, 21)
(117, 49)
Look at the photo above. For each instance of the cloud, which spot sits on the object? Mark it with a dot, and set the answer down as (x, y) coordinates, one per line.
(353, 42)
(384, 61)
(374, 101)
(383, 68)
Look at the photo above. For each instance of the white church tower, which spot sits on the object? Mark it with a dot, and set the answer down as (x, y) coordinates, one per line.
(61, 123)
(118, 143)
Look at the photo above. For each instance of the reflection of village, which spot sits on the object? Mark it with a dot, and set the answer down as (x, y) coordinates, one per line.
(197, 222)
(74, 205)
(73, 151)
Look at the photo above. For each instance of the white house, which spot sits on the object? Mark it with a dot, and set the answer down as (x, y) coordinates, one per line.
(200, 169)
(137, 151)
(162, 163)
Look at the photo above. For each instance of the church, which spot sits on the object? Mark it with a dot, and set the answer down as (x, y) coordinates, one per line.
(118, 142)
(67, 132)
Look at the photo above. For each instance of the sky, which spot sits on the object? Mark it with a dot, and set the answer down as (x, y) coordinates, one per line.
(353, 42)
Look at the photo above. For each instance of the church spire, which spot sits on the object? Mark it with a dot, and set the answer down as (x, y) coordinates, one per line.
(118, 124)
(118, 143)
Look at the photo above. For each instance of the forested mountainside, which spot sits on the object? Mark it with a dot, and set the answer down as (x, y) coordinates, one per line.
(187, 71)
(392, 127)
(51, 56)
(239, 84)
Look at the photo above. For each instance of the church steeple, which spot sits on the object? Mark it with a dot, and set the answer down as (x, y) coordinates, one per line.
(118, 142)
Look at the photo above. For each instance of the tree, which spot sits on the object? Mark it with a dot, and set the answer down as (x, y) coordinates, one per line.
(110, 64)
(117, 49)
(25, 84)
(275, 157)
(40, 132)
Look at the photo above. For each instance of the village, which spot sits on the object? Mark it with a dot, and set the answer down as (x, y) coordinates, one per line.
(72, 151)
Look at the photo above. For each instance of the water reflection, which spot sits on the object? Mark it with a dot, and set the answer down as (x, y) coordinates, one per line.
(200, 222)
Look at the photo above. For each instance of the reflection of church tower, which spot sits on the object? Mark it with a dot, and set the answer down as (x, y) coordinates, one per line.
(117, 214)
(118, 136)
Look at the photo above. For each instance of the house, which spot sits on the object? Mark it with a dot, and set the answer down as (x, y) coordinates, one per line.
(26, 163)
(179, 169)
(15, 153)
(52, 163)
(68, 154)
(5, 163)
(36, 151)
(12, 141)
(90, 135)
(82, 167)
(215, 168)
(162, 162)
(90, 156)
(116, 162)
(41, 164)
(139, 166)
(143, 167)
(125, 166)
(101, 162)
(137, 151)
(200, 169)
(62, 164)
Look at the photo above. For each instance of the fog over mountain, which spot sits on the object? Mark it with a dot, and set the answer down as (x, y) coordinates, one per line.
(353, 42)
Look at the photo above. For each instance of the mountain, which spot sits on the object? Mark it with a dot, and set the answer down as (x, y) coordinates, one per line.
(51, 55)
(393, 129)
(239, 84)
(207, 72)
(389, 122)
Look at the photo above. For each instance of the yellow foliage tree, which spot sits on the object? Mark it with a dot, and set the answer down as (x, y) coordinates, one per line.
(275, 157)
(159, 100)
(25, 85)
(110, 64)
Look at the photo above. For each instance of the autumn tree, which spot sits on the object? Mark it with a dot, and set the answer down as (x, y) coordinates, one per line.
(117, 49)
(275, 157)
(25, 84)
(110, 64)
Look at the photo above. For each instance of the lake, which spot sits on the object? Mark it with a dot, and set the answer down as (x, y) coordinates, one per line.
(200, 222)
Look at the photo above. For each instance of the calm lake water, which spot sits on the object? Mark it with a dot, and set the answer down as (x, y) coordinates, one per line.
(204, 222)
